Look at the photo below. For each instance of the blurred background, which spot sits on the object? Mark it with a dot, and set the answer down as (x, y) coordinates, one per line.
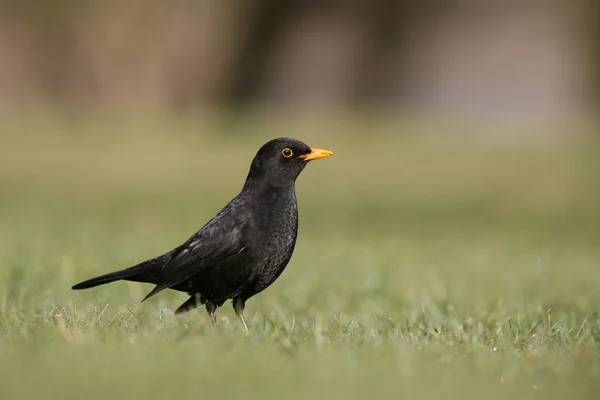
(518, 57)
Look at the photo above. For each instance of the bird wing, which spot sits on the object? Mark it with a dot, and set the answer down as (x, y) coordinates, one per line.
(222, 239)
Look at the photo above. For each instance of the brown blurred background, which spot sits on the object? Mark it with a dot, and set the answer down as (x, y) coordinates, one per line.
(497, 56)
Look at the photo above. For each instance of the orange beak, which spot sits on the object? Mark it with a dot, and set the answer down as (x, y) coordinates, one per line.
(315, 154)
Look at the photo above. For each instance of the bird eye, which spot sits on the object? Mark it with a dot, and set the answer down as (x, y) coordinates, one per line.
(287, 153)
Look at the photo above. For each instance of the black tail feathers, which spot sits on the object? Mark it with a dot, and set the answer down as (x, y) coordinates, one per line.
(101, 280)
(147, 271)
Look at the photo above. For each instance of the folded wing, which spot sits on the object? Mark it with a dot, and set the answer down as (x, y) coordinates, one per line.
(224, 239)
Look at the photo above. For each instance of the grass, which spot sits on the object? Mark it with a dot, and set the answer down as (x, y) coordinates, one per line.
(429, 266)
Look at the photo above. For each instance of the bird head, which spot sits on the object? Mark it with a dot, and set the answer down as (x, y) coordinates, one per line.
(280, 161)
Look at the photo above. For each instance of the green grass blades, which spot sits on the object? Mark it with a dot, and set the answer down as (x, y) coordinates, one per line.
(427, 266)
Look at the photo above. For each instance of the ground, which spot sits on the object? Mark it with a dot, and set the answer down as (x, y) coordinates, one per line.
(433, 260)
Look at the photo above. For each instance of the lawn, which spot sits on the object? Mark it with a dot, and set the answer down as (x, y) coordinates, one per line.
(433, 261)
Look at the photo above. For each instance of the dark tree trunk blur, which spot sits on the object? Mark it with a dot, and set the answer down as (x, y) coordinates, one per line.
(188, 53)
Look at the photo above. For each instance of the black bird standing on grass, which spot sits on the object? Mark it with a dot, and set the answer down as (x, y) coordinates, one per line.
(244, 248)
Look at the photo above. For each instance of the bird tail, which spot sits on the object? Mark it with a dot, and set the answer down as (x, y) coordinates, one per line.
(147, 271)
(107, 278)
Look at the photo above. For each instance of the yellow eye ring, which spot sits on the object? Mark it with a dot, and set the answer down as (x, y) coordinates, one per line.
(287, 153)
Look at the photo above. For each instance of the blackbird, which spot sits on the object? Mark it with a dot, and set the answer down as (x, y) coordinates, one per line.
(244, 248)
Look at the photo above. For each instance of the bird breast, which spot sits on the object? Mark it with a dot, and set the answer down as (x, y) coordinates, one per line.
(277, 230)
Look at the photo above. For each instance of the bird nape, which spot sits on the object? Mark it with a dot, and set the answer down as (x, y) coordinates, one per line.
(241, 250)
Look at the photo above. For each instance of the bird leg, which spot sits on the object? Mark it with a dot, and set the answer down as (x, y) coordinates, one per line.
(193, 302)
(238, 306)
(211, 308)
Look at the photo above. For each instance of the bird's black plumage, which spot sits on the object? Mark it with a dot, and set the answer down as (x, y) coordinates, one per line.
(244, 248)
